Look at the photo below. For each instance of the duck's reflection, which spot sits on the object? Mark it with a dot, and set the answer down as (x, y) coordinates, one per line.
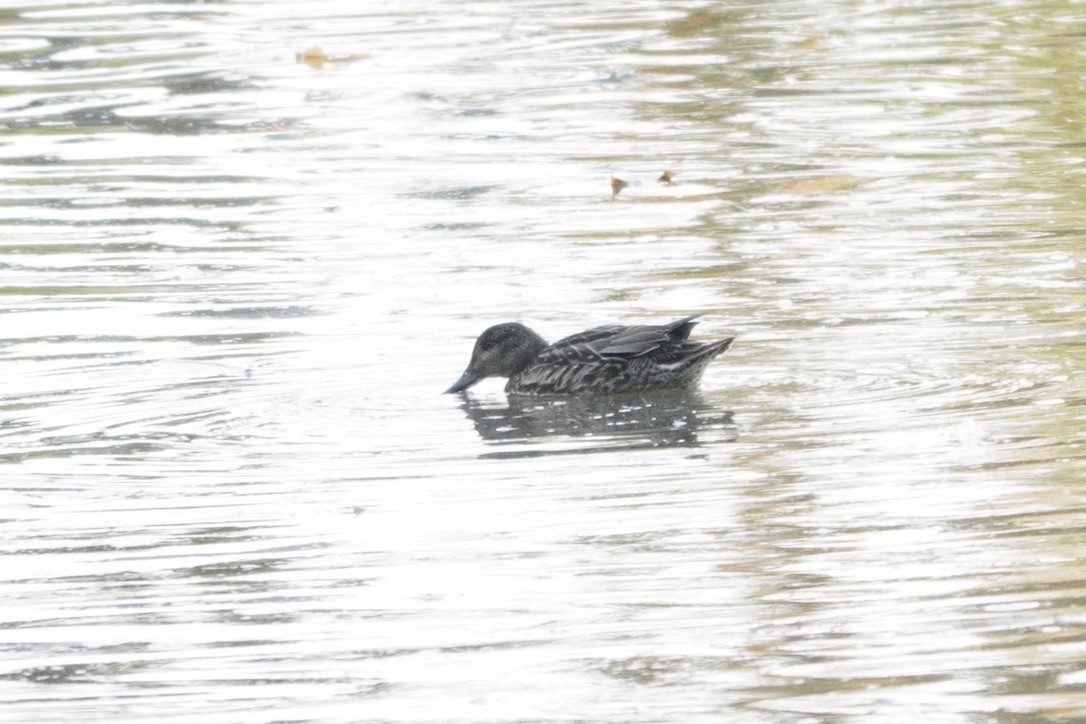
(661, 419)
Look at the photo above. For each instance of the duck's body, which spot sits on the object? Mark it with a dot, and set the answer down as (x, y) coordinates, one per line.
(605, 360)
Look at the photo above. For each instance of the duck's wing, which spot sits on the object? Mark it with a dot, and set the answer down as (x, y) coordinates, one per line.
(579, 348)
(646, 339)
(618, 341)
(596, 334)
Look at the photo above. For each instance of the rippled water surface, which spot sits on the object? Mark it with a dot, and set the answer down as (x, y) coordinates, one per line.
(246, 244)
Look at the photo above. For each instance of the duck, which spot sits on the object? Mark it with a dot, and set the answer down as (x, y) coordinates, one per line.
(610, 359)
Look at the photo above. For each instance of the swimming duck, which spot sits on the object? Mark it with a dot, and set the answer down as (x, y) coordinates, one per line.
(607, 359)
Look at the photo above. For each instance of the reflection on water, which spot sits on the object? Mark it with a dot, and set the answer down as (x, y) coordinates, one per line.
(233, 285)
(601, 423)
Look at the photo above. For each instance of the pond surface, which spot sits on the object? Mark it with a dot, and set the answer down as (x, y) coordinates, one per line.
(246, 244)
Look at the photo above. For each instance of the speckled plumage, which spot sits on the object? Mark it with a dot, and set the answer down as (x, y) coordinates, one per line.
(606, 360)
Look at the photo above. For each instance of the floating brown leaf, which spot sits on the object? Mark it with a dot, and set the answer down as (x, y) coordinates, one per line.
(313, 57)
(617, 185)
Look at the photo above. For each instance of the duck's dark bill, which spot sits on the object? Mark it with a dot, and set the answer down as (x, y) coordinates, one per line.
(469, 378)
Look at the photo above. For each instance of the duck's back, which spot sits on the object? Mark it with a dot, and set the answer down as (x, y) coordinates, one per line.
(617, 358)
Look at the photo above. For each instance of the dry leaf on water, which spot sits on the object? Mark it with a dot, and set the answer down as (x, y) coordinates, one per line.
(617, 185)
(313, 57)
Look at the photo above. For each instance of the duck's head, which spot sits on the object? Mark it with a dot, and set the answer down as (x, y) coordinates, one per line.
(501, 351)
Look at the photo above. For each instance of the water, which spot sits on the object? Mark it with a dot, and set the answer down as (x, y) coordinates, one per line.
(234, 285)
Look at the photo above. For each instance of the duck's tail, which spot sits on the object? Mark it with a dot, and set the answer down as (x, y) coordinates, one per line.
(712, 349)
(695, 362)
(680, 330)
